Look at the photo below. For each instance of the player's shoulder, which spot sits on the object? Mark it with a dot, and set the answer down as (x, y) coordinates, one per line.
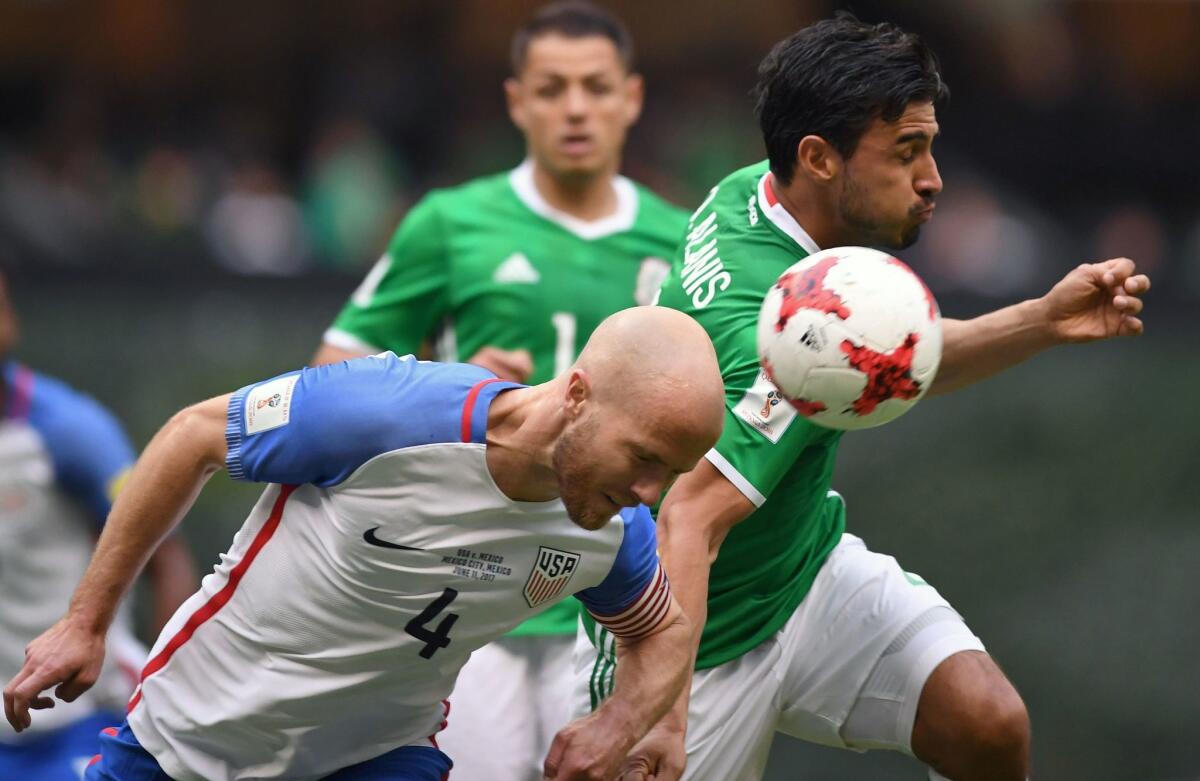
(482, 191)
(734, 200)
(394, 388)
(729, 255)
(389, 374)
(321, 424)
(60, 411)
(738, 210)
(84, 439)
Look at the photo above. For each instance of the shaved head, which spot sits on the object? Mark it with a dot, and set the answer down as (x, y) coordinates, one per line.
(649, 353)
(645, 402)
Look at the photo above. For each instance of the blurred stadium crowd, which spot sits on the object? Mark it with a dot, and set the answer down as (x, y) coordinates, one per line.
(275, 138)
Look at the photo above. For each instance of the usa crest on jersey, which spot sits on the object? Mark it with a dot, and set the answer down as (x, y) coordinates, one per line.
(552, 569)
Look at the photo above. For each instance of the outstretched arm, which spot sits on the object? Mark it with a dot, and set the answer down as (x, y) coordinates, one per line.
(161, 488)
(1094, 301)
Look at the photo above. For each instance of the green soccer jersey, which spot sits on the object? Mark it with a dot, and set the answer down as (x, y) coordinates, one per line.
(739, 241)
(490, 263)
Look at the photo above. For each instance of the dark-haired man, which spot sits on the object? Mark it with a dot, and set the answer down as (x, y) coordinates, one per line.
(808, 632)
(512, 272)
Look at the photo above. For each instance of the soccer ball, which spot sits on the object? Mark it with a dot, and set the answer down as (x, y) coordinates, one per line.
(851, 337)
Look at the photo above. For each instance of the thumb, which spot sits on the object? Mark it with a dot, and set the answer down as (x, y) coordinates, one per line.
(554, 758)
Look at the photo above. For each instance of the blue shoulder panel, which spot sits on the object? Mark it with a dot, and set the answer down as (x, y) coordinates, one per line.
(633, 569)
(86, 443)
(319, 425)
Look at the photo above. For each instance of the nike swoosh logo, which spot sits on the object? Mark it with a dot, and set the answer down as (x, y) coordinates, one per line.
(369, 536)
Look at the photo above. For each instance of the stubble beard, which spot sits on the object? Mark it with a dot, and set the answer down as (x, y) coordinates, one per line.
(573, 472)
(866, 231)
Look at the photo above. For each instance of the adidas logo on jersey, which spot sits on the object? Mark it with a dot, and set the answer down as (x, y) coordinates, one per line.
(516, 270)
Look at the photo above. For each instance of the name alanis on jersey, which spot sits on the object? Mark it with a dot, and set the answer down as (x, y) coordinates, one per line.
(703, 272)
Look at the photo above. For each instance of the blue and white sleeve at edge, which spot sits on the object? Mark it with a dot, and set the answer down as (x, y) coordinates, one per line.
(635, 597)
(319, 425)
(90, 450)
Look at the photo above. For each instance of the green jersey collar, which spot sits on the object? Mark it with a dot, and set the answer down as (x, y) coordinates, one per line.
(775, 212)
(619, 221)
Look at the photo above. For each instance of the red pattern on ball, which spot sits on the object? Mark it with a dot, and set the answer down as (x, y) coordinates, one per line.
(806, 290)
(889, 375)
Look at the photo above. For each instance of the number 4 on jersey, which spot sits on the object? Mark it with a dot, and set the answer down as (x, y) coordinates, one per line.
(439, 637)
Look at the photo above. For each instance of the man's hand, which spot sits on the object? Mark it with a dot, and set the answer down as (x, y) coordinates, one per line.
(66, 655)
(514, 365)
(660, 756)
(587, 749)
(1097, 301)
(161, 488)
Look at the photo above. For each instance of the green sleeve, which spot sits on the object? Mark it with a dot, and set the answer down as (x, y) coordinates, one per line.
(764, 436)
(405, 295)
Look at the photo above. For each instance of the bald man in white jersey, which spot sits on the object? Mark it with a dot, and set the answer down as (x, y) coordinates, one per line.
(416, 511)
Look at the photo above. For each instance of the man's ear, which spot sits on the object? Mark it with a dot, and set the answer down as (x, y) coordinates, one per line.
(635, 95)
(817, 160)
(578, 393)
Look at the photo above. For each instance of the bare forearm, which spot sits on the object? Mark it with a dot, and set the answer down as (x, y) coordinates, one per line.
(161, 488)
(651, 673)
(976, 349)
(687, 558)
(693, 522)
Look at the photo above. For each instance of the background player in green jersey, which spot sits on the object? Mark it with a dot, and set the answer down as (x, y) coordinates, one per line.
(808, 632)
(513, 272)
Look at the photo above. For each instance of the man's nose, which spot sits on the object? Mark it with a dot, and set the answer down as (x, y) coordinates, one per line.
(648, 490)
(577, 101)
(929, 182)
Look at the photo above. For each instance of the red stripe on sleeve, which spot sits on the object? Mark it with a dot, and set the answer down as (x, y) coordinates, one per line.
(469, 407)
(648, 615)
(646, 612)
(218, 600)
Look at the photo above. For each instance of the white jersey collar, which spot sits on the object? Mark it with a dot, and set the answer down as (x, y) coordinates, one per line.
(622, 219)
(775, 212)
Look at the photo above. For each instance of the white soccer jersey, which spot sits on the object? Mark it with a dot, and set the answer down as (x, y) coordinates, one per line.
(61, 453)
(334, 627)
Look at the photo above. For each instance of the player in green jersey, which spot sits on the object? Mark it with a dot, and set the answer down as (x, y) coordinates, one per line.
(808, 632)
(513, 272)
